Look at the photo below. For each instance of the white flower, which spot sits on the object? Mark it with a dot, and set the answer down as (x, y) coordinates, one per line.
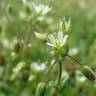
(40, 8)
(58, 40)
(38, 67)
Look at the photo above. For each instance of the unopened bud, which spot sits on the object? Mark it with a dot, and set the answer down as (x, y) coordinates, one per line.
(41, 36)
(65, 26)
(88, 72)
(41, 88)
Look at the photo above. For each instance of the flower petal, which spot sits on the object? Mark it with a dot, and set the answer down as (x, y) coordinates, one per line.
(65, 39)
(50, 44)
(60, 36)
(51, 38)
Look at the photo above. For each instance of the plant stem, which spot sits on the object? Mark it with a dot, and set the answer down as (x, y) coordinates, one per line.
(74, 59)
(11, 24)
(28, 37)
(59, 73)
(59, 78)
(50, 68)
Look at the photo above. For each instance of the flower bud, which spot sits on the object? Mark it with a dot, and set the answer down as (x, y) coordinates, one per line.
(41, 88)
(41, 36)
(88, 72)
(65, 26)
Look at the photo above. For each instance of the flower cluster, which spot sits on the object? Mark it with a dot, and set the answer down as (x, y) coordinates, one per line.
(58, 41)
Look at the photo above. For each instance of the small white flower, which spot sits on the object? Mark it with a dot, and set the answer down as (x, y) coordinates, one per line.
(38, 67)
(58, 40)
(40, 8)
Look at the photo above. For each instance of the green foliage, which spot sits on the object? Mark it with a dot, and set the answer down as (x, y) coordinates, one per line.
(37, 42)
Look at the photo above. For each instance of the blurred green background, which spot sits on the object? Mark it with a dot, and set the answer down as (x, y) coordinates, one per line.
(21, 71)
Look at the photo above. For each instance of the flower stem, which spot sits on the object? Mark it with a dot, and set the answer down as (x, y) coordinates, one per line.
(59, 78)
(74, 59)
(59, 73)
(11, 23)
(50, 68)
(28, 36)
